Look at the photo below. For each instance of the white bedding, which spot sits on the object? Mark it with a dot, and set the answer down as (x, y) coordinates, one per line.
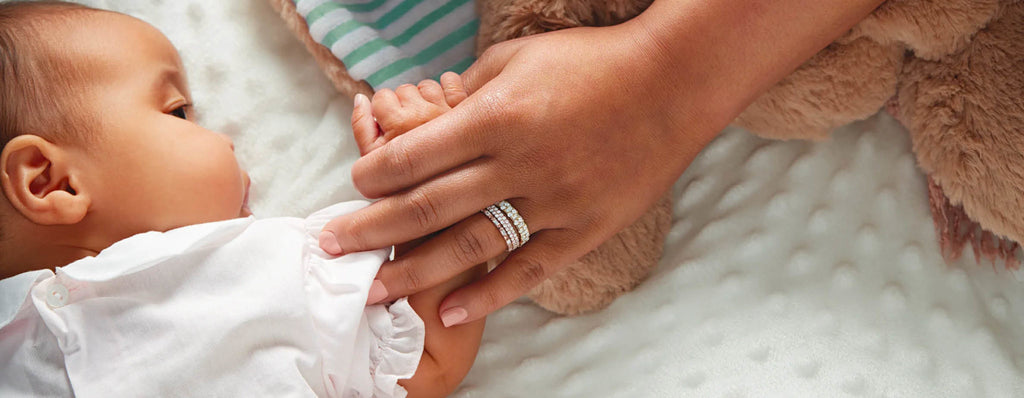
(792, 268)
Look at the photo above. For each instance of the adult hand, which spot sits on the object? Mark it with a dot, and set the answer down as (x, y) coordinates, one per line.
(581, 130)
(579, 142)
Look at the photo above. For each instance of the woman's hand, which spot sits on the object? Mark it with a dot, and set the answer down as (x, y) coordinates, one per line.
(581, 130)
(580, 142)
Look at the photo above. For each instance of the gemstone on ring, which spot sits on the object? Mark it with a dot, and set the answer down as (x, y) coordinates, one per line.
(507, 225)
(517, 220)
(497, 224)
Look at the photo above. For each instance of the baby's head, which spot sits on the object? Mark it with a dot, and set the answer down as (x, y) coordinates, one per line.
(98, 137)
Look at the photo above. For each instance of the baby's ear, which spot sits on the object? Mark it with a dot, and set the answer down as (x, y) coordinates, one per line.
(41, 183)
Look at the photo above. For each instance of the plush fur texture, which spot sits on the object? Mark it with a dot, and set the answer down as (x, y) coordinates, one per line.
(952, 71)
(931, 29)
(965, 113)
(959, 82)
(815, 98)
(502, 20)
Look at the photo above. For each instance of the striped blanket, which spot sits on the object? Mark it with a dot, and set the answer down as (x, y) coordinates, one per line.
(390, 42)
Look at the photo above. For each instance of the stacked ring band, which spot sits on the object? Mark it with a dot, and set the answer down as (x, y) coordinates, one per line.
(509, 223)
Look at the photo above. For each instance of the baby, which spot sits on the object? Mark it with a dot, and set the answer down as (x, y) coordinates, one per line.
(164, 285)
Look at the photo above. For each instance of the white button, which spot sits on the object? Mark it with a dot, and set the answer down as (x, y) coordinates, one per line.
(57, 296)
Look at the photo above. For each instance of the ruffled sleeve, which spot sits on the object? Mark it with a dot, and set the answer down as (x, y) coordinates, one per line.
(367, 354)
(399, 335)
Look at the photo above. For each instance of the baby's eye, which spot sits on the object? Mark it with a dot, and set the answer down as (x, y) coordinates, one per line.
(180, 112)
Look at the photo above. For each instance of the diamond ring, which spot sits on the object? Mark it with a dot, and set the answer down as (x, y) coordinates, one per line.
(509, 223)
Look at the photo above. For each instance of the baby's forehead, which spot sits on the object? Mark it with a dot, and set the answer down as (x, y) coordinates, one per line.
(108, 45)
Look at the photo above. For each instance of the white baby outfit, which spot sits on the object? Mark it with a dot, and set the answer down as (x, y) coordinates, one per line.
(238, 308)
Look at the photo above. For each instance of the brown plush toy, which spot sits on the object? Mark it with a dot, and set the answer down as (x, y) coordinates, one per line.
(951, 71)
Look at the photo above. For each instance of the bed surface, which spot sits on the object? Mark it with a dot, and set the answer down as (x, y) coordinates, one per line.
(792, 268)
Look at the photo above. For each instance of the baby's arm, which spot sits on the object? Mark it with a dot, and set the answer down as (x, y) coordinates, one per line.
(448, 352)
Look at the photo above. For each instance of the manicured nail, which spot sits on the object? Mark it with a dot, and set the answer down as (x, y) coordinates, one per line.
(360, 100)
(329, 243)
(377, 293)
(453, 316)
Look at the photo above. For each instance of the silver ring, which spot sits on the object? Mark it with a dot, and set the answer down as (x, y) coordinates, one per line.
(506, 226)
(517, 220)
(509, 223)
(497, 224)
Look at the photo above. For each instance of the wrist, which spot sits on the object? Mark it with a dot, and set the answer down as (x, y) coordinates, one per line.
(725, 53)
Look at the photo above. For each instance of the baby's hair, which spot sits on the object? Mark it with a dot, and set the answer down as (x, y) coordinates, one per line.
(37, 90)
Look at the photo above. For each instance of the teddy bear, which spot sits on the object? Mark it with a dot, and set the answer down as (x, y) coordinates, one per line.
(952, 72)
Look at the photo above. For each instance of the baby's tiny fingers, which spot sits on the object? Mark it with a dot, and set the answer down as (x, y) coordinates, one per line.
(432, 91)
(364, 128)
(409, 95)
(454, 88)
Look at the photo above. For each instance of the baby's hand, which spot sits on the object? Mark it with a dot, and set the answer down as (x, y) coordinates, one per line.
(393, 113)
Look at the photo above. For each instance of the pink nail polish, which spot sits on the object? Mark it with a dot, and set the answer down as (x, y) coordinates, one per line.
(377, 293)
(329, 243)
(453, 316)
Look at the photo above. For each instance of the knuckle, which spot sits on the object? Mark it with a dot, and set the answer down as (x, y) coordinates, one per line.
(412, 280)
(399, 161)
(363, 179)
(380, 94)
(529, 273)
(495, 49)
(424, 210)
(468, 248)
(490, 299)
(358, 117)
(352, 237)
(390, 124)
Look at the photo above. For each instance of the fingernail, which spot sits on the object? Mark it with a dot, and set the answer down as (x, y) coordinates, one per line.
(453, 316)
(359, 101)
(329, 243)
(377, 292)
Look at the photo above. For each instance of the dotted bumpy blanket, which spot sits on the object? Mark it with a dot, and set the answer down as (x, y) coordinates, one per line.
(391, 42)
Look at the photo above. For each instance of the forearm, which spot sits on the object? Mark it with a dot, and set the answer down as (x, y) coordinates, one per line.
(733, 50)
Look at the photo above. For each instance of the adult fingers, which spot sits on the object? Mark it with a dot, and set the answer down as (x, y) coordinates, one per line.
(428, 208)
(364, 128)
(425, 151)
(524, 269)
(470, 242)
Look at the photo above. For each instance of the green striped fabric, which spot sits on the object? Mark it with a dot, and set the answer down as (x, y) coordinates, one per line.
(391, 42)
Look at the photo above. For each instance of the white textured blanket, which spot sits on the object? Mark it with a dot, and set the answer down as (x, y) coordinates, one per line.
(792, 268)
